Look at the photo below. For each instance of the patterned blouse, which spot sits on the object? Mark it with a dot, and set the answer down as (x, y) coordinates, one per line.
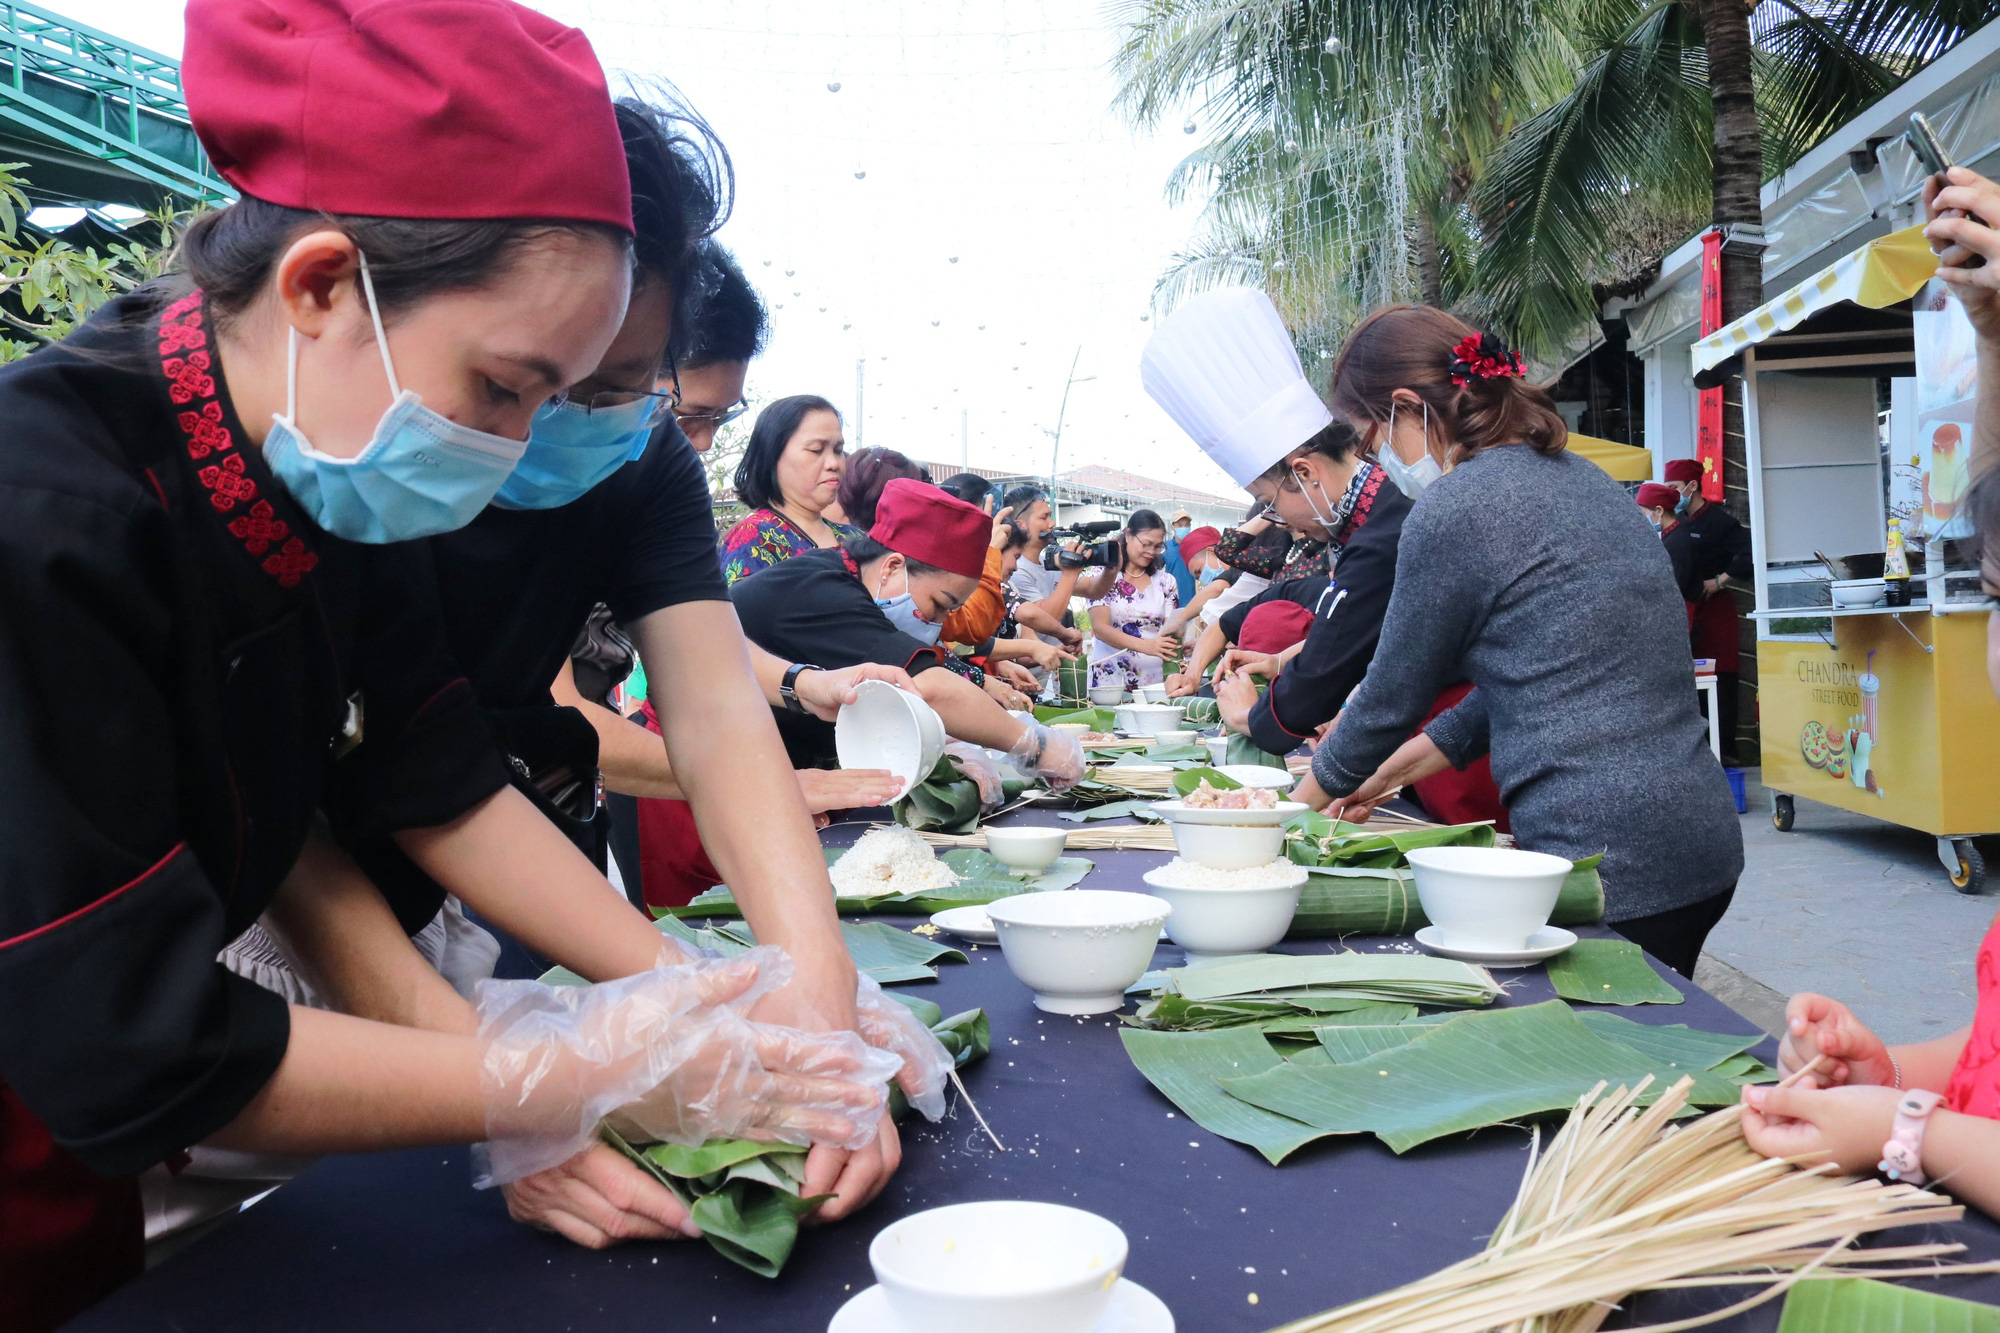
(1305, 559)
(766, 537)
(1142, 615)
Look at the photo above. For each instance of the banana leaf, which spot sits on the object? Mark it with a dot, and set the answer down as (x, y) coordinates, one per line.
(982, 880)
(1279, 992)
(1858, 1305)
(1129, 808)
(1609, 972)
(1187, 780)
(1678, 1045)
(1171, 754)
(1341, 901)
(1242, 750)
(1097, 719)
(880, 951)
(1187, 1068)
(1073, 681)
(947, 801)
(1478, 1069)
(1313, 839)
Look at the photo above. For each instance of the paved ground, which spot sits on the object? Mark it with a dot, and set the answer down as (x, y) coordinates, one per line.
(1855, 909)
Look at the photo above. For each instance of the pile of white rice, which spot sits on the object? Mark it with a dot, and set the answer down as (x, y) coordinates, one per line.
(889, 860)
(1181, 873)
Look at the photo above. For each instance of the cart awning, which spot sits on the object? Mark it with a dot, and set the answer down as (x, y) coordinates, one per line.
(1880, 273)
(1625, 462)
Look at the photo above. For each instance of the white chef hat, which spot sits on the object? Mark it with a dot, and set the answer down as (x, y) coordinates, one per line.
(1224, 368)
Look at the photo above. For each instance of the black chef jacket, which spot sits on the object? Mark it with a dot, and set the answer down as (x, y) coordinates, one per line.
(1679, 544)
(1720, 545)
(515, 587)
(1347, 621)
(181, 646)
(812, 608)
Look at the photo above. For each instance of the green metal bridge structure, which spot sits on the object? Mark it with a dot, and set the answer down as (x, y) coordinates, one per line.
(97, 119)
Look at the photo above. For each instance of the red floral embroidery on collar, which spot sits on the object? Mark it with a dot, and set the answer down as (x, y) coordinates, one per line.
(185, 361)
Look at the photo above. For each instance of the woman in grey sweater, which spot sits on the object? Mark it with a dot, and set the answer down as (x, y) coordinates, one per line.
(1528, 571)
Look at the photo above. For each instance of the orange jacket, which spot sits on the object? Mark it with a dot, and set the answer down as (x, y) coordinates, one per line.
(979, 619)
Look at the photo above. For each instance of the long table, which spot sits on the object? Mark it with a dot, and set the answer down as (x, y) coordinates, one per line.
(399, 1241)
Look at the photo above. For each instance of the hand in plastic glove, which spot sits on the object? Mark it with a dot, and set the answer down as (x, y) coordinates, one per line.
(890, 1025)
(1056, 757)
(670, 1051)
(974, 763)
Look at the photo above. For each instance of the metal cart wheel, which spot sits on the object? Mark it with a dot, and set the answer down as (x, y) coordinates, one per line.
(1964, 864)
(1783, 808)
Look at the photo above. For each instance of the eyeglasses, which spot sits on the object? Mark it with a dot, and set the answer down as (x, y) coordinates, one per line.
(608, 399)
(717, 420)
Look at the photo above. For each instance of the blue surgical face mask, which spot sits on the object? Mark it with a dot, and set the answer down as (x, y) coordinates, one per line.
(571, 449)
(1687, 502)
(1409, 478)
(420, 475)
(1208, 576)
(902, 613)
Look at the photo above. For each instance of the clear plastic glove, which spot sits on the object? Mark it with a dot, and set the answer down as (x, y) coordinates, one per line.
(927, 1065)
(1056, 757)
(975, 764)
(670, 1052)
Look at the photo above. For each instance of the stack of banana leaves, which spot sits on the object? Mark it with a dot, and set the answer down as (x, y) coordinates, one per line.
(749, 1198)
(982, 879)
(1270, 1055)
(948, 801)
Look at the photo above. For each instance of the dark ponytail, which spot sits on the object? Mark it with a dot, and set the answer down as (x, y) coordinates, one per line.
(1413, 347)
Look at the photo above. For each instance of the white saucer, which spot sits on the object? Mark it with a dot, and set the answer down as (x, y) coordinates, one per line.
(1544, 943)
(1133, 1310)
(968, 923)
(1257, 775)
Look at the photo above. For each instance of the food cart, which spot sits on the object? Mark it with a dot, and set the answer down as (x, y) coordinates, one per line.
(1883, 711)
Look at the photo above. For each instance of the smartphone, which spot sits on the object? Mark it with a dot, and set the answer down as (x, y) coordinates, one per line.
(1927, 146)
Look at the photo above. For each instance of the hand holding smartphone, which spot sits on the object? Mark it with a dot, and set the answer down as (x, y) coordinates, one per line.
(1930, 150)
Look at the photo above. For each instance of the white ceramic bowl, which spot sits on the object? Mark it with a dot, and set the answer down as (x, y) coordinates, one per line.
(1079, 950)
(1859, 592)
(1257, 775)
(1218, 751)
(999, 1267)
(1180, 737)
(1026, 848)
(1180, 813)
(889, 728)
(1152, 694)
(1228, 846)
(1211, 923)
(1149, 719)
(1076, 729)
(1108, 696)
(1487, 897)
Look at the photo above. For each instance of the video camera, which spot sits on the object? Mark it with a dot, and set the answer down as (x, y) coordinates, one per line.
(1106, 553)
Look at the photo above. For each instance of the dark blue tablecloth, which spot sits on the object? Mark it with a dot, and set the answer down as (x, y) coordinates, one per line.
(399, 1241)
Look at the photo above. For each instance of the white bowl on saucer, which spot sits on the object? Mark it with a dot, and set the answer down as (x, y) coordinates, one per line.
(1216, 922)
(1001, 1266)
(1544, 944)
(1228, 846)
(1107, 696)
(1149, 719)
(1076, 729)
(1028, 849)
(1487, 897)
(889, 728)
(1079, 950)
(1152, 694)
(1181, 737)
(1181, 813)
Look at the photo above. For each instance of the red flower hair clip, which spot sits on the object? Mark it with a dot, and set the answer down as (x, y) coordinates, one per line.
(1481, 356)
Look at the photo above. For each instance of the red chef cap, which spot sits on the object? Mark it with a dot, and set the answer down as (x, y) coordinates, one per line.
(1655, 495)
(1198, 541)
(1273, 627)
(923, 523)
(1684, 469)
(406, 109)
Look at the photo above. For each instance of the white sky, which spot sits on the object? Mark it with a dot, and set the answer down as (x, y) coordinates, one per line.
(986, 133)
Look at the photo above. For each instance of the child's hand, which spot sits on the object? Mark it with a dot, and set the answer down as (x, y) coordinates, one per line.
(1850, 1125)
(1815, 1025)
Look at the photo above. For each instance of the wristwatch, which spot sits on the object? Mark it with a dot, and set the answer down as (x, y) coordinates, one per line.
(786, 687)
(1903, 1154)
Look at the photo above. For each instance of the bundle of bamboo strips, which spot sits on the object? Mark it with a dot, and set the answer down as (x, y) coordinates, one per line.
(1624, 1201)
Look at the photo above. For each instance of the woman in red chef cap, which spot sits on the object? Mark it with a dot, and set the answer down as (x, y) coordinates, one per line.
(202, 494)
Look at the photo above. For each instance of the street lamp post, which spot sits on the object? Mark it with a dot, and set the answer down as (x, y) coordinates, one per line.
(1055, 454)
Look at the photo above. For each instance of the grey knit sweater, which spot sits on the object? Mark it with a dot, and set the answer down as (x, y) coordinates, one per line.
(1539, 580)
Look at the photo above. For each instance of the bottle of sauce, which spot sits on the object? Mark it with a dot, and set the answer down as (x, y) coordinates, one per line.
(1896, 566)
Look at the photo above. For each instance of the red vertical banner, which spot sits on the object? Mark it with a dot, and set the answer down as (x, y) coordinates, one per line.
(1708, 422)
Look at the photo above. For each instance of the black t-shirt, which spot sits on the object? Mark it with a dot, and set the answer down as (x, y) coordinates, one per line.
(812, 608)
(517, 584)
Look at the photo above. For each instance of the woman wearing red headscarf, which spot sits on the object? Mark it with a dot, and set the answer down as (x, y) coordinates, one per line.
(202, 496)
